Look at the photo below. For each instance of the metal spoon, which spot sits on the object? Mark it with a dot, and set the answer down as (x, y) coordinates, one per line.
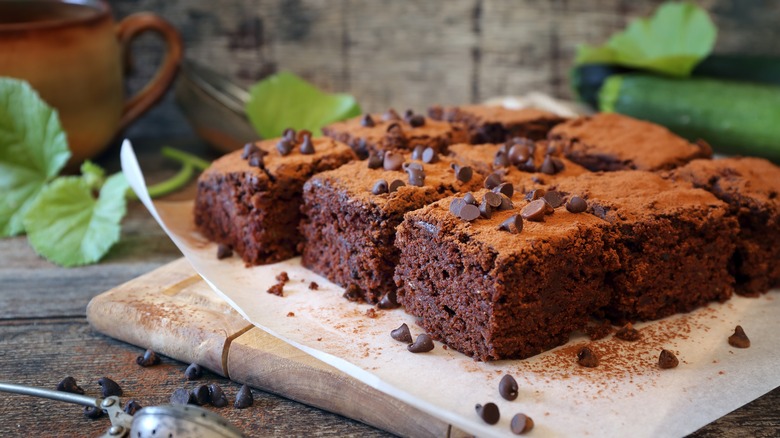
(158, 421)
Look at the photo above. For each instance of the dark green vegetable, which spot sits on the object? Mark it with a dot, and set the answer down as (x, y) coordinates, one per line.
(761, 69)
(734, 117)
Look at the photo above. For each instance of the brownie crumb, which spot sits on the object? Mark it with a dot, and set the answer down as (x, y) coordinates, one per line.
(521, 424)
(599, 330)
(314, 286)
(667, 360)
(277, 289)
(628, 333)
(488, 412)
(283, 277)
(290, 314)
(587, 358)
(371, 313)
(739, 339)
(224, 251)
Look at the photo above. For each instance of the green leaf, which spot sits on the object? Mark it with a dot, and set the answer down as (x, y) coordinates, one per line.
(286, 101)
(671, 42)
(93, 174)
(68, 226)
(33, 150)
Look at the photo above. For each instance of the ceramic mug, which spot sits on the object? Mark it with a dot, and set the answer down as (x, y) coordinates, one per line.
(73, 53)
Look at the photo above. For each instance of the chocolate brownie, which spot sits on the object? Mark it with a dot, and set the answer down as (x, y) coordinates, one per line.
(393, 132)
(250, 200)
(491, 292)
(496, 124)
(751, 187)
(525, 164)
(609, 141)
(674, 242)
(350, 216)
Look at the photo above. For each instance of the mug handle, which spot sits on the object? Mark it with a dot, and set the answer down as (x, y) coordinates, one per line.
(127, 30)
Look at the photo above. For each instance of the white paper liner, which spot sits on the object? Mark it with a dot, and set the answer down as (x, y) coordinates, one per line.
(626, 395)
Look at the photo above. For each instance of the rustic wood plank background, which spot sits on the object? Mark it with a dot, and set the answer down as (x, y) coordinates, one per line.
(410, 54)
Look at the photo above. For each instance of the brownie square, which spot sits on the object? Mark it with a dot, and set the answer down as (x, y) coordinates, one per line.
(496, 124)
(533, 167)
(674, 242)
(374, 133)
(495, 294)
(349, 230)
(609, 141)
(751, 187)
(250, 200)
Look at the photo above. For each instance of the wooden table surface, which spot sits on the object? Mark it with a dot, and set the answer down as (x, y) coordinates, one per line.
(44, 337)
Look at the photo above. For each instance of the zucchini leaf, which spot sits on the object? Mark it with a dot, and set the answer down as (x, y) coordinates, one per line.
(33, 150)
(286, 101)
(670, 42)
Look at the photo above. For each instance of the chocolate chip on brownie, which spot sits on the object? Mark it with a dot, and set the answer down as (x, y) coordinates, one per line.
(417, 152)
(464, 173)
(395, 185)
(416, 121)
(535, 211)
(469, 212)
(393, 161)
(492, 181)
(380, 187)
(587, 358)
(739, 339)
(469, 198)
(416, 176)
(430, 155)
(505, 188)
(508, 388)
(367, 121)
(667, 360)
(248, 150)
(501, 159)
(422, 344)
(533, 195)
(307, 147)
(493, 199)
(553, 198)
(456, 205)
(485, 210)
(375, 160)
(284, 146)
(513, 224)
(391, 114)
(402, 334)
(576, 205)
(488, 412)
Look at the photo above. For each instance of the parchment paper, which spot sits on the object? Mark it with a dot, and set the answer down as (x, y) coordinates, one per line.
(626, 395)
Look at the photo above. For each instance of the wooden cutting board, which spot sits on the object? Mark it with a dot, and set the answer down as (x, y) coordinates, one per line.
(174, 312)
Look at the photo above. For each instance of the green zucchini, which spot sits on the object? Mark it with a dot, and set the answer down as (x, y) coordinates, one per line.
(734, 117)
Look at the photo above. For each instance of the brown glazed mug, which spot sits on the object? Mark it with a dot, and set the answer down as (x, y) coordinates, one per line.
(73, 53)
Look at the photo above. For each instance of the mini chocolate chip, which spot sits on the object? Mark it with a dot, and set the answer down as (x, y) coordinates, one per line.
(559, 166)
(507, 387)
(492, 181)
(528, 166)
(375, 160)
(416, 166)
(395, 185)
(391, 114)
(553, 198)
(388, 301)
(402, 334)
(394, 129)
(501, 159)
(535, 211)
(284, 146)
(289, 134)
(149, 358)
(739, 339)
(493, 199)
(224, 251)
(307, 147)
(548, 208)
(430, 155)
(667, 360)
(506, 203)
(201, 395)
(367, 121)
(393, 161)
(469, 198)
(417, 153)
(109, 387)
(256, 160)
(463, 174)
(249, 149)
(218, 399)
(132, 407)
(244, 398)
(521, 424)
(628, 333)
(456, 205)
(93, 412)
(576, 205)
(422, 344)
(587, 358)
(548, 167)
(485, 210)
(68, 384)
(303, 133)
(469, 212)
(505, 188)
(519, 153)
(416, 121)
(488, 412)
(408, 114)
(181, 396)
(416, 176)
(352, 293)
(193, 372)
(535, 194)
(380, 187)
(513, 224)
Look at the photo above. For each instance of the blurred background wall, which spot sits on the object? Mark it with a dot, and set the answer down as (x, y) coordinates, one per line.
(410, 54)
